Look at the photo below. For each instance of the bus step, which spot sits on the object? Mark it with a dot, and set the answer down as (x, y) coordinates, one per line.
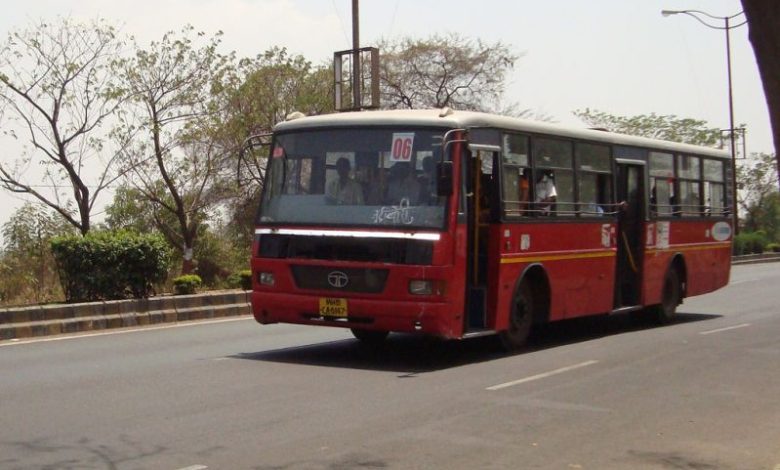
(626, 309)
(477, 300)
(478, 333)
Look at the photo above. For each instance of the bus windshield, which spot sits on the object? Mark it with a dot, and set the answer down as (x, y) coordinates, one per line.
(354, 177)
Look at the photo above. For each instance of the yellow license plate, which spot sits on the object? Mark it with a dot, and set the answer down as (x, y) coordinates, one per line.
(333, 307)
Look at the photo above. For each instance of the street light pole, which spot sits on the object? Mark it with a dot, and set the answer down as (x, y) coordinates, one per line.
(696, 14)
(731, 128)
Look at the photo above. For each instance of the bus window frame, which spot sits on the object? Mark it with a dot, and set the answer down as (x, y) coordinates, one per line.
(689, 211)
(523, 214)
(709, 210)
(611, 175)
(673, 204)
(555, 213)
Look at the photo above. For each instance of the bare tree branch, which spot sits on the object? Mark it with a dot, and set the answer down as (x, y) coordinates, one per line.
(57, 80)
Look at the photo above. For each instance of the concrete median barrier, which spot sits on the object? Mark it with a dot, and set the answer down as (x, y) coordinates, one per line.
(46, 320)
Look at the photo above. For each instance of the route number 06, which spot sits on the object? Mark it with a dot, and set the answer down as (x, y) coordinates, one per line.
(402, 147)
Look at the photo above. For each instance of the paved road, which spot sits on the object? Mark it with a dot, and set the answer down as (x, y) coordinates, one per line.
(703, 393)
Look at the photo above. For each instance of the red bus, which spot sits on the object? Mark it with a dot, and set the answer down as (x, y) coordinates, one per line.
(460, 224)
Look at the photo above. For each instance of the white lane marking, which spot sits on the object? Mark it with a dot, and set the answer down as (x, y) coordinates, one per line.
(194, 467)
(18, 342)
(709, 332)
(734, 283)
(541, 376)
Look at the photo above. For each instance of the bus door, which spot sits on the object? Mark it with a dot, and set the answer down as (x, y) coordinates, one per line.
(630, 228)
(482, 186)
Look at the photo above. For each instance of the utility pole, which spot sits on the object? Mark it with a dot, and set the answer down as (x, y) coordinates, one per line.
(365, 86)
(356, 101)
(699, 15)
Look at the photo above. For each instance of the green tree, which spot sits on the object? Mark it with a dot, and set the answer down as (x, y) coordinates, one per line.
(759, 198)
(57, 92)
(263, 91)
(654, 126)
(130, 210)
(267, 88)
(27, 271)
(449, 70)
(175, 162)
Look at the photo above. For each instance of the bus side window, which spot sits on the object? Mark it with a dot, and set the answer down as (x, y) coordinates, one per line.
(594, 190)
(689, 178)
(516, 191)
(714, 188)
(714, 196)
(662, 197)
(554, 176)
(595, 179)
(516, 175)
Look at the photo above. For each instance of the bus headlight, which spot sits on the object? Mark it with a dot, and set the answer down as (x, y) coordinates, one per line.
(425, 287)
(266, 279)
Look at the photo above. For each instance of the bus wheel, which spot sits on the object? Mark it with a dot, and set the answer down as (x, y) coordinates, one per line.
(664, 312)
(370, 336)
(520, 320)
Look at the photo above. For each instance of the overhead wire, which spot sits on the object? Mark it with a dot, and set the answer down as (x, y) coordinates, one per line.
(341, 22)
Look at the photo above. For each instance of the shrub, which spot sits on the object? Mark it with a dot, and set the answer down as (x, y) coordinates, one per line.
(738, 245)
(110, 265)
(186, 284)
(241, 280)
(246, 279)
(773, 247)
(750, 242)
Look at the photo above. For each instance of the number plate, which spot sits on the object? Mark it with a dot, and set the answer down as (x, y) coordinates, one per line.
(333, 307)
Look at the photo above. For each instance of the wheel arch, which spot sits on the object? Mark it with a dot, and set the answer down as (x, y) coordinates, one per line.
(677, 262)
(539, 282)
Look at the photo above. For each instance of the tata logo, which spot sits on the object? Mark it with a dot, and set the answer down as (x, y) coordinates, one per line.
(338, 279)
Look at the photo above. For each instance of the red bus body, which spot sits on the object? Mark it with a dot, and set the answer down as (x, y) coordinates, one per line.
(571, 261)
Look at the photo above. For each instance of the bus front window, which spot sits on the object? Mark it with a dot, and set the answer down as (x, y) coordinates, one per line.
(354, 177)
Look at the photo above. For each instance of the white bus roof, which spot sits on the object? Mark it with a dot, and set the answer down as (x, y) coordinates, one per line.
(468, 119)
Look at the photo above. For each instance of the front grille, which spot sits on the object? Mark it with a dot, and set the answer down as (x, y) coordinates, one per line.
(369, 281)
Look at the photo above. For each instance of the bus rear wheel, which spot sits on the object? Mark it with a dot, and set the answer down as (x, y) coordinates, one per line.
(664, 312)
(520, 320)
(370, 337)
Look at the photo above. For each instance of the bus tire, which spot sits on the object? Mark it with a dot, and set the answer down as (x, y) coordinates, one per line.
(520, 319)
(671, 297)
(370, 337)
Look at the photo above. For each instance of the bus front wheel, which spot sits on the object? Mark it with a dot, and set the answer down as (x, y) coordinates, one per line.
(664, 312)
(520, 320)
(370, 337)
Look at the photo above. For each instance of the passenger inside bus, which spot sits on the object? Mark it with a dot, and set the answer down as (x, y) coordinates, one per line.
(545, 192)
(402, 185)
(343, 189)
(524, 190)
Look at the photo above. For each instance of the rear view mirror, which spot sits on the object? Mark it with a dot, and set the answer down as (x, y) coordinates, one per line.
(444, 179)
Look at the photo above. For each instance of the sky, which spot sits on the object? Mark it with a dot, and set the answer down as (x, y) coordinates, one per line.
(618, 56)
